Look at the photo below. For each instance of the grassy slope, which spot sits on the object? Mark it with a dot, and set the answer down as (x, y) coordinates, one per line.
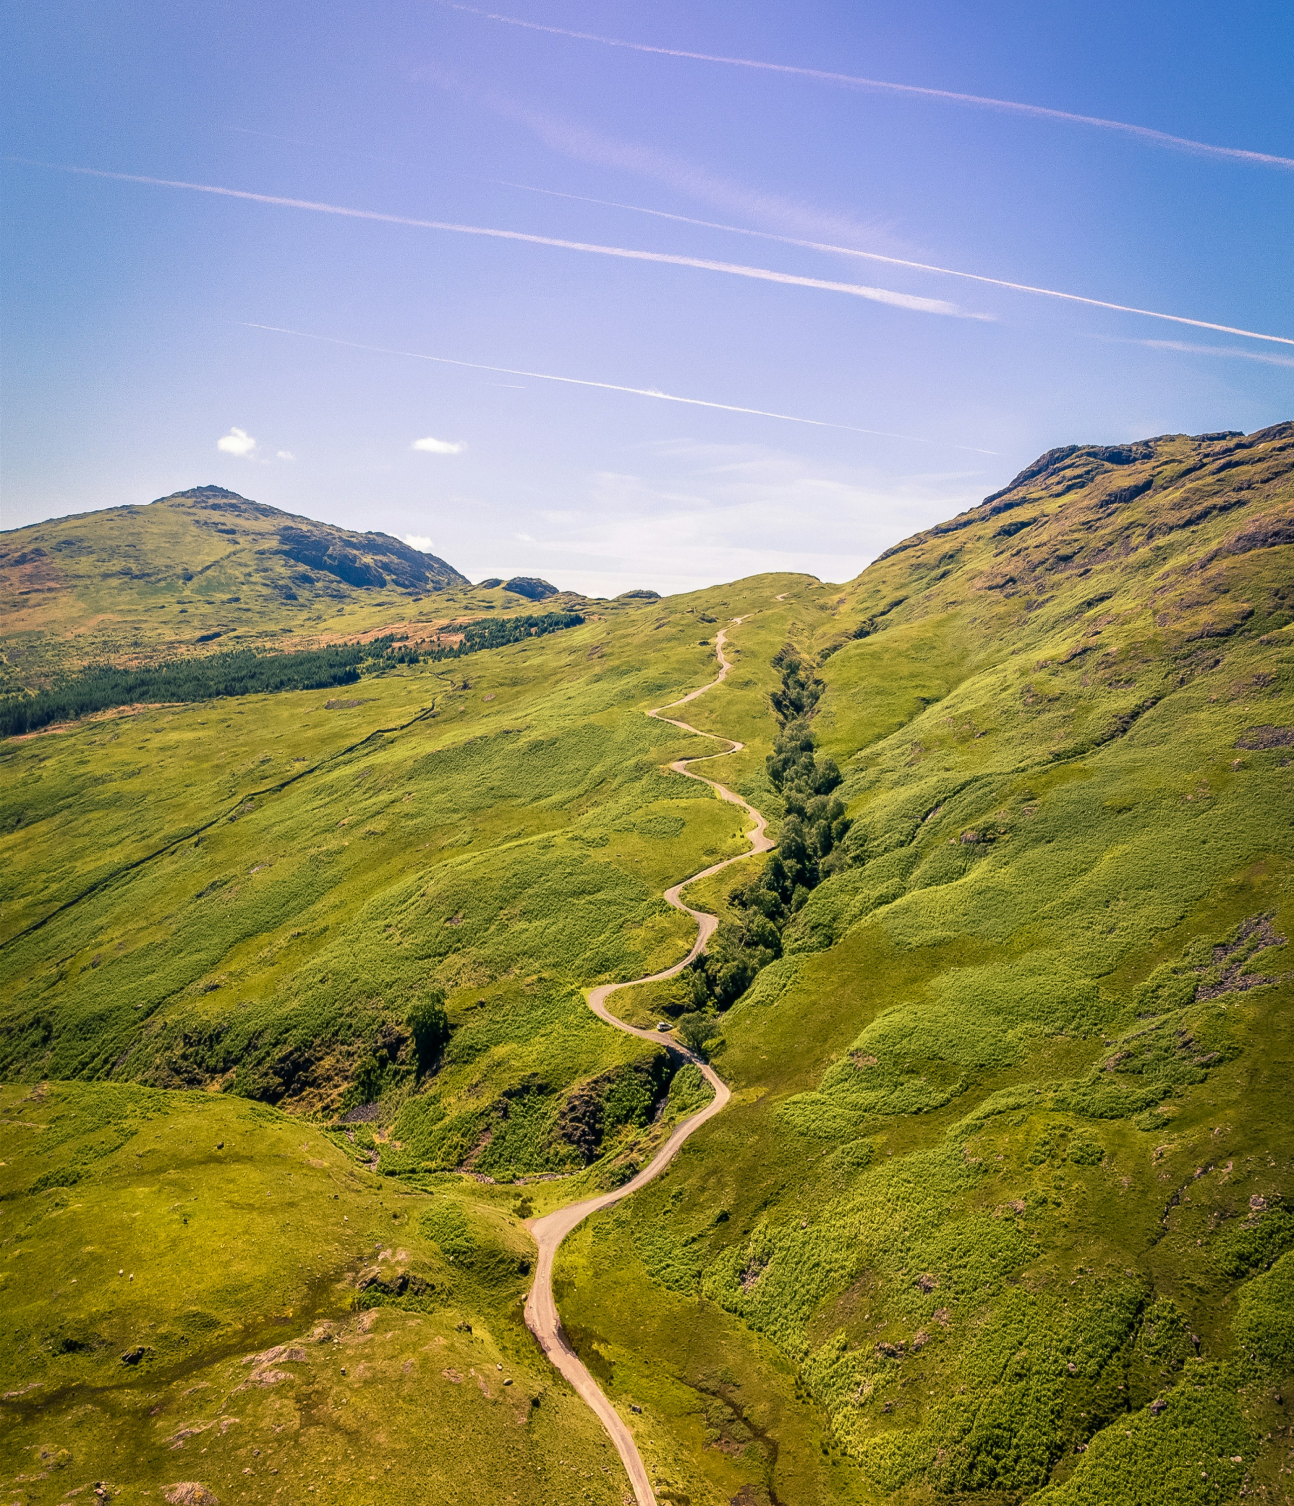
(227, 1268)
(507, 836)
(511, 847)
(739, 1301)
(976, 1071)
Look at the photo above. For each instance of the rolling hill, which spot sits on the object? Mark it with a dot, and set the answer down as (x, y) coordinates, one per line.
(205, 568)
(997, 1211)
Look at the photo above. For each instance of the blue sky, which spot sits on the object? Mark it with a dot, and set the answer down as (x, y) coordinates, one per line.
(130, 308)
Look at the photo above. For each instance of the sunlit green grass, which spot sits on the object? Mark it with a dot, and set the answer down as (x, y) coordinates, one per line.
(182, 1304)
(962, 1028)
(995, 1211)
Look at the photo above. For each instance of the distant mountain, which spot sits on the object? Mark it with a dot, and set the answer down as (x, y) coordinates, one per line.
(531, 587)
(194, 567)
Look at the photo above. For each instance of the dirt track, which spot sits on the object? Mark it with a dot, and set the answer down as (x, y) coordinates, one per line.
(541, 1310)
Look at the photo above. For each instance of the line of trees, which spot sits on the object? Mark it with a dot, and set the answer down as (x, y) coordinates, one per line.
(249, 671)
(808, 851)
(495, 632)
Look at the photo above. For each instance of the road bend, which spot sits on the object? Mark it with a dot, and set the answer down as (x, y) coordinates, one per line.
(541, 1310)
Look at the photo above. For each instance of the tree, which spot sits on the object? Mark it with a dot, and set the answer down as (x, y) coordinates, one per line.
(430, 1026)
(809, 848)
(694, 1030)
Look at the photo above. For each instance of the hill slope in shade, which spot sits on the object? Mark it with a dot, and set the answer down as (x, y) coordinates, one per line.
(997, 1210)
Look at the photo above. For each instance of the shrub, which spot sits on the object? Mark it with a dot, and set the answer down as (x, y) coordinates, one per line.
(430, 1026)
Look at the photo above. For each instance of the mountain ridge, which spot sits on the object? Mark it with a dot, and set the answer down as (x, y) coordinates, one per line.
(1074, 466)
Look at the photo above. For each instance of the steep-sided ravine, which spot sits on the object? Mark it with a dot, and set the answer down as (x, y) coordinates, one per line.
(541, 1310)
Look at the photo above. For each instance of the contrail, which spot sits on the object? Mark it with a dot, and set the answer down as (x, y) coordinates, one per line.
(1207, 350)
(664, 397)
(734, 269)
(898, 261)
(1143, 133)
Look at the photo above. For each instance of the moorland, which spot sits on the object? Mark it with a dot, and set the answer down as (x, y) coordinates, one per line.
(294, 1041)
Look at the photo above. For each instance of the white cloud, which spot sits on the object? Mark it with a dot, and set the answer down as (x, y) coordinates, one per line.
(237, 442)
(438, 446)
(700, 513)
(419, 542)
(284, 455)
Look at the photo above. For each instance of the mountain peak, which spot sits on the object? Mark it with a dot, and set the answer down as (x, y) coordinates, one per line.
(199, 565)
(202, 494)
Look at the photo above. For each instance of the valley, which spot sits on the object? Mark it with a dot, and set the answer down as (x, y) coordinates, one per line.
(296, 1045)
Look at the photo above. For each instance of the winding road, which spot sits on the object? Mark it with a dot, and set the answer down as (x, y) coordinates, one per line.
(541, 1310)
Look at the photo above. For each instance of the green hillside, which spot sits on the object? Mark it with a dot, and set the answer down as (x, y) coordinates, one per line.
(999, 1201)
(997, 1210)
(206, 569)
